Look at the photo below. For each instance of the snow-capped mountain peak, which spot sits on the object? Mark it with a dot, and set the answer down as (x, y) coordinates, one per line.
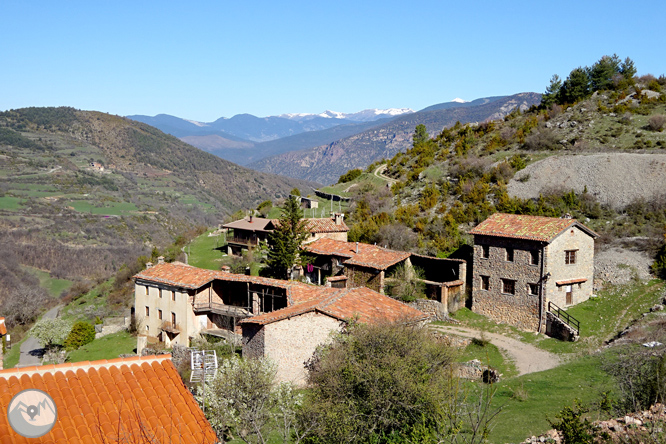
(366, 115)
(459, 100)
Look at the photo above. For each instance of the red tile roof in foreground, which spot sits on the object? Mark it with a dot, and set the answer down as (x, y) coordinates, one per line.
(363, 304)
(3, 327)
(517, 226)
(370, 256)
(98, 401)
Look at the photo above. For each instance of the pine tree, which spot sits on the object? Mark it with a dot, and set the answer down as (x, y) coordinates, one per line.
(286, 239)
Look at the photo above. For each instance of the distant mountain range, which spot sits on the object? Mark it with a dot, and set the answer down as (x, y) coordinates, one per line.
(325, 163)
(322, 146)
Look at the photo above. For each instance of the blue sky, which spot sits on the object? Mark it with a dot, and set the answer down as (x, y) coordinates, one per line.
(207, 59)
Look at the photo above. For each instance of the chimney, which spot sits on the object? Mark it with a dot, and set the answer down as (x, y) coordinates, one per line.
(251, 218)
(149, 265)
(160, 260)
(338, 217)
(356, 247)
(226, 269)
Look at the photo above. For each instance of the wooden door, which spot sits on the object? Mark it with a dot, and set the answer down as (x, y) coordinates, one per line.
(569, 291)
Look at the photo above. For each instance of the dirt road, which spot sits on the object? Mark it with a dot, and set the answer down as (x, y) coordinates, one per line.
(528, 358)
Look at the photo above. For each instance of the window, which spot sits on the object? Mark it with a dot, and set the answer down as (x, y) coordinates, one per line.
(173, 295)
(534, 257)
(173, 318)
(146, 290)
(485, 283)
(159, 314)
(570, 257)
(508, 286)
(160, 293)
(509, 254)
(533, 289)
(485, 251)
(147, 327)
(147, 310)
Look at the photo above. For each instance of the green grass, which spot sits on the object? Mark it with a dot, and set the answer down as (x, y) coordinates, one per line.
(600, 318)
(12, 356)
(489, 355)
(54, 286)
(11, 203)
(206, 252)
(527, 401)
(76, 310)
(106, 347)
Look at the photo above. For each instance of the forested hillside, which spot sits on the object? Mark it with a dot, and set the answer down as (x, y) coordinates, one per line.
(445, 184)
(82, 193)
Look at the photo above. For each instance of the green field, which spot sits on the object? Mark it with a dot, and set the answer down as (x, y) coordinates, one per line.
(54, 286)
(11, 203)
(206, 252)
(106, 347)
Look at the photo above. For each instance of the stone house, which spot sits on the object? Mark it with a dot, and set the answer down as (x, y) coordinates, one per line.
(290, 336)
(247, 233)
(355, 264)
(137, 399)
(521, 263)
(175, 302)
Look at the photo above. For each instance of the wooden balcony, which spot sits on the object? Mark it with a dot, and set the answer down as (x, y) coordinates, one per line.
(171, 328)
(222, 309)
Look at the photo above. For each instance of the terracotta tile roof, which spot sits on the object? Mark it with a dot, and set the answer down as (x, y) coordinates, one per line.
(3, 327)
(363, 304)
(370, 256)
(177, 274)
(93, 398)
(527, 227)
(257, 224)
(181, 275)
(325, 225)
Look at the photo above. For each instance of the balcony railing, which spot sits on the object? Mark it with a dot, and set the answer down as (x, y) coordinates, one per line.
(169, 327)
(250, 241)
(226, 310)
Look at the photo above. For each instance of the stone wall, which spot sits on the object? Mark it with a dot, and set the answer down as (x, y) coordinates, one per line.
(558, 329)
(434, 309)
(365, 277)
(289, 343)
(253, 340)
(520, 309)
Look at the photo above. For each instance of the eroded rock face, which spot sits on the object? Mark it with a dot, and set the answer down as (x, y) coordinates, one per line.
(643, 426)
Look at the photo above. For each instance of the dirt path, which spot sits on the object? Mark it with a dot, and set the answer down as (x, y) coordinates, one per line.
(31, 351)
(528, 358)
(379, 172)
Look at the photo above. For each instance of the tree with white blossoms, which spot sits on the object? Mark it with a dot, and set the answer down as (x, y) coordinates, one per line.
(51, 333)
(243, 401)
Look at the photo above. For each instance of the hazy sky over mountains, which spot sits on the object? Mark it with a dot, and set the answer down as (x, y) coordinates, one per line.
(208, 59)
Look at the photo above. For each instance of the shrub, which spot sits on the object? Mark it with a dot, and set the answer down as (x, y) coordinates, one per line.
(350, 175)
(656, 123)
(81, 334)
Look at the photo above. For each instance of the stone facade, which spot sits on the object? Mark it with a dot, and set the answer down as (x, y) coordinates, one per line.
(510, 273)
(290, 342)
(365, 277)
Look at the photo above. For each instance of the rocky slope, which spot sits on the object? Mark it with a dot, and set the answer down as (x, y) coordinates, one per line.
(326, 163)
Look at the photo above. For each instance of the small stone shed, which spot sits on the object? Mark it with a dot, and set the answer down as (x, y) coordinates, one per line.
(364, 265)
(521, 263)
(290, 336)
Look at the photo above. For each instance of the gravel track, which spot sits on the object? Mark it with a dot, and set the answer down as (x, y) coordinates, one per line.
(614, 179)
(528, 358)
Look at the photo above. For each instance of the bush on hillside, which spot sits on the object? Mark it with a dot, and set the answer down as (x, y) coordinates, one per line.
(350, 175)
(656, 123)
(81, 334)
